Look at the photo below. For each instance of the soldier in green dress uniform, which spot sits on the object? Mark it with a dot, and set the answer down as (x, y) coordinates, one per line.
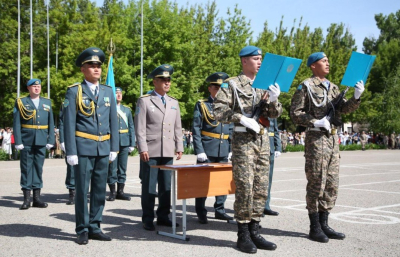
(33, 127)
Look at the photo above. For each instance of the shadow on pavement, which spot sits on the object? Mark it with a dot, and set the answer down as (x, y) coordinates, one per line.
(27, 230)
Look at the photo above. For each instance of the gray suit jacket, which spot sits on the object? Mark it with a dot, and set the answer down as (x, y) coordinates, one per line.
(158, 129)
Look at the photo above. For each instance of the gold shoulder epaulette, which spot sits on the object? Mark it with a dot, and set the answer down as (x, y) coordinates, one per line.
(146, 95)
(74, 85)
(202, 100)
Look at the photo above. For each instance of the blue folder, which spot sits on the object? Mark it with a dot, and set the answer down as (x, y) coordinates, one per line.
(358, 69)
(277, 69)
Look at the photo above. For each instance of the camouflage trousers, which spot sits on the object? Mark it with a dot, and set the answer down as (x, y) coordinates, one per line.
(250, 167)
(322, 171)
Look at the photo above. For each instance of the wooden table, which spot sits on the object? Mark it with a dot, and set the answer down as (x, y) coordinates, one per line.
(193, 181)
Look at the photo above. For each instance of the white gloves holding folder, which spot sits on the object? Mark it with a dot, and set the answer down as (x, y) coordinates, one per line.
(359, 89)
(323, 123)
(274, 92)
(202, 157)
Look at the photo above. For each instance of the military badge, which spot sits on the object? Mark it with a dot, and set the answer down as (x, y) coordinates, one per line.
(37, 82)
(137, 110)
(219, 81)
(166, 73)
(107, 100)
(173, 108)
(46, 107)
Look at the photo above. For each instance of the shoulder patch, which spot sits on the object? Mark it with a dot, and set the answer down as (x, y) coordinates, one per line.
(137, 110)
(196, 114)
(65, 103)
(74, 85)
(224, 85)
(14, 110)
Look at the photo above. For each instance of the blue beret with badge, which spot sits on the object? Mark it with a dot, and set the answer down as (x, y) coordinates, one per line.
(162, 71)
(315, 57)
(118, 89)
(250, 51)
(217, 78)
(90, 55)
(34, 82)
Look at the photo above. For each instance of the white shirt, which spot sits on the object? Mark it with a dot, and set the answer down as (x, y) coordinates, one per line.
(92, 86)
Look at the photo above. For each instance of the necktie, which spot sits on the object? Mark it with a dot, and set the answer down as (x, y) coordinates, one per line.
(95, 92)
(163, 100)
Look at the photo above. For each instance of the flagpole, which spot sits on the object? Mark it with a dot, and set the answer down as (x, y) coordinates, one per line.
(48, 52)
(31, 41)
(19, 50)
(141, 54)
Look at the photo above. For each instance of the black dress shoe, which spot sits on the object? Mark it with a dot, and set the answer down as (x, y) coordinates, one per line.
(82, 238)
(149, 226)
(222, 216)
(203, 220)
(271, 212)
(165, 222)
(99, 236)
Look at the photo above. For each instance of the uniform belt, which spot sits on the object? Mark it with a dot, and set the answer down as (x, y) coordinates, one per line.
(93, 137)
(333, 131)
(35, 126)
(244, 129)
(122, 131)
(214, 135)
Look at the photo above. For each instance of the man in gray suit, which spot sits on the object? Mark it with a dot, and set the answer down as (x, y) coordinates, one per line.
(159, 137)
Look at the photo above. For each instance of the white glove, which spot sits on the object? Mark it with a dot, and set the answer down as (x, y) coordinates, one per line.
(229, 156)
(112, 156)
(202, 157)
(63, 147)
(323, 123)
(359, 88)
(49, 146)
(72, 160)
(274, 92)
(277, 154)
(250, 123)
(19, 147)
(131, 148)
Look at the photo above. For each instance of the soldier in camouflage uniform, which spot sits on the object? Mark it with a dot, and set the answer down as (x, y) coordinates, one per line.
(392, 140)
(284, 138)
(309, 108)
(363, 139)
(235, 103)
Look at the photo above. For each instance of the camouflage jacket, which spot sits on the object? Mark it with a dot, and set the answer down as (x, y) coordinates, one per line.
(311, 99)
(227, 106)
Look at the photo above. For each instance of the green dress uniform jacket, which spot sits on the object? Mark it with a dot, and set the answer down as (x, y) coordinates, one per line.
(117, 169)
(34, 135)
(96, 117)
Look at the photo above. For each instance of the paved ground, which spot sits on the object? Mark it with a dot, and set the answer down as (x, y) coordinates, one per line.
(367, 211)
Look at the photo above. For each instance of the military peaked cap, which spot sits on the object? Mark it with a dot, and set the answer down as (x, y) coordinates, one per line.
(250, 51)
(162, 71)
(315, 57)
(33, 82)
(217, 78)
(92, 54)
(118, 89)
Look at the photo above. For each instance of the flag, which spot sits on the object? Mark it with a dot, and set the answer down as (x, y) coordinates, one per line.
(110, 76)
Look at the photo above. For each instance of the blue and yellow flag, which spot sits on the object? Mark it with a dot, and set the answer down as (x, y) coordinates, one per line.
(110, 75)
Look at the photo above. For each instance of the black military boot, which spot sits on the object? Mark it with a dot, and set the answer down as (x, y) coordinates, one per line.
(323, 220)
(316, 232)
(71, 197)
(244, 242)
(112, 192)
(257, 239)
(36, 199)
(120, 192)
(27, 199)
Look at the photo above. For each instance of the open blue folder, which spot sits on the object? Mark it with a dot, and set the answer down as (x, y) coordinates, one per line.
(277, 69)
(358, 69)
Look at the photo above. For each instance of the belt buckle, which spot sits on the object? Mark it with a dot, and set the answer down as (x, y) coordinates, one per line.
(221, 136)
(38, 126)
(100, 138)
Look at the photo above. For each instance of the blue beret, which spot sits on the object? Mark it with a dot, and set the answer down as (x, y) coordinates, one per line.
(217, 78)
(250, 51)
(162, 71)
(315, 57)
(33, 82)
(92, 54)
(118, 89)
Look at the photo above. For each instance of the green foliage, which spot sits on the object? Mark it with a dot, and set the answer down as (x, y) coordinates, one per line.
(294, 148)
(188, 150)
(3, 155)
